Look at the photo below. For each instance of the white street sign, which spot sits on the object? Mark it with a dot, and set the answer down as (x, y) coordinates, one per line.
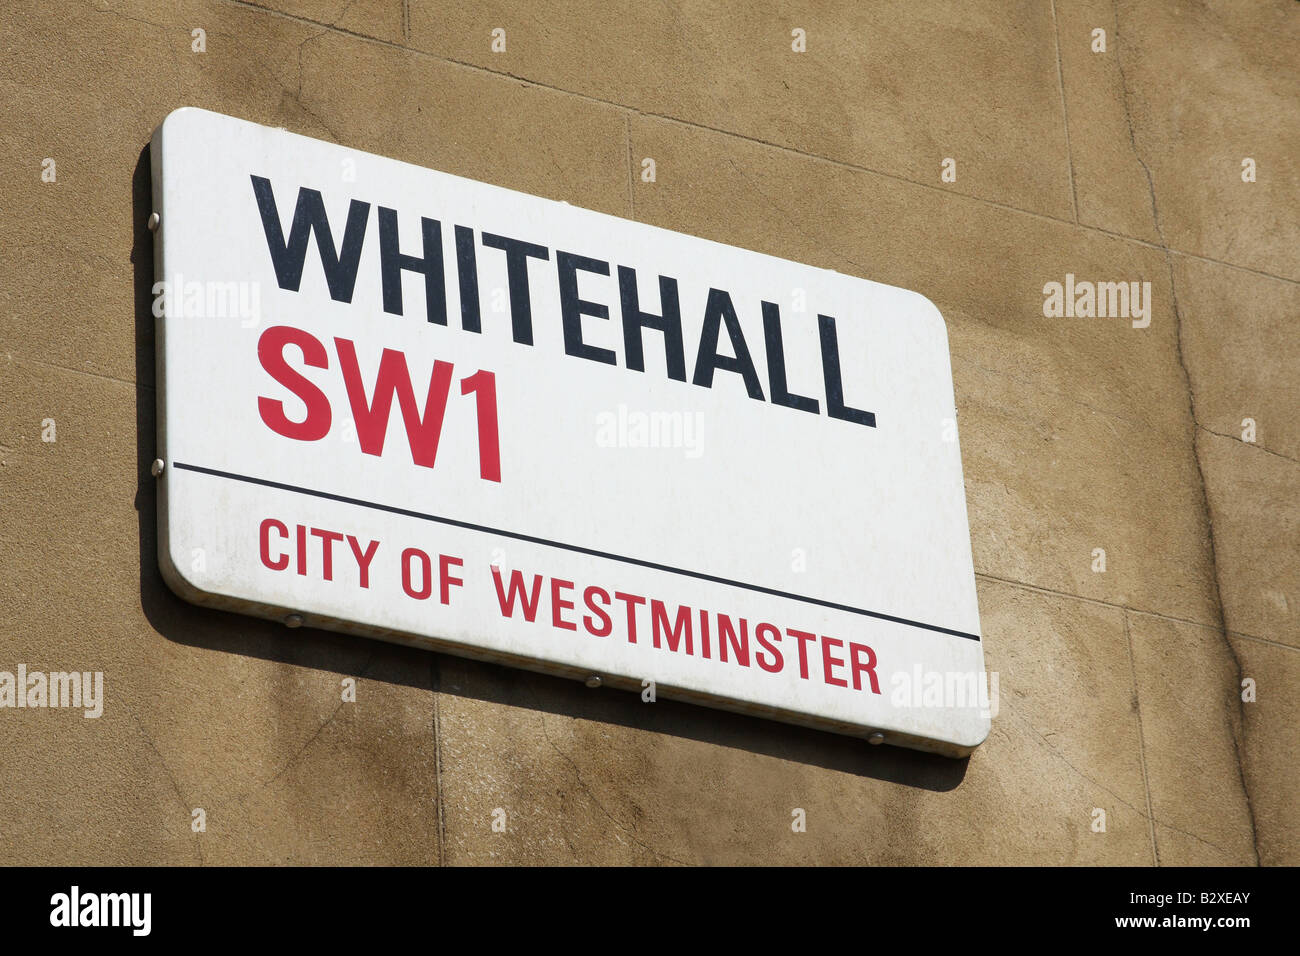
(412, 406)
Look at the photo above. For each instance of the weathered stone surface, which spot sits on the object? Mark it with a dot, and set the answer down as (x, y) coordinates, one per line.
(1193, 134)
(507, 133)
(1118, 690)
(384, 19)
(1255, 505)
(1271, 747)
(601, 777)
(1155, 158)
(1188, 696)
(1239, 331)
(202, 710)
(983, 74)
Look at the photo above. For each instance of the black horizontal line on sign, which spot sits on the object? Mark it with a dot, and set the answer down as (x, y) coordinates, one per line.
(592, 552)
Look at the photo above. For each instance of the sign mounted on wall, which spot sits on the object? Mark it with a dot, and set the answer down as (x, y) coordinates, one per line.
(411, 406)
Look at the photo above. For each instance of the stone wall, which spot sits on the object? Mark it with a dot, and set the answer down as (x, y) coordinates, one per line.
(1121, 690)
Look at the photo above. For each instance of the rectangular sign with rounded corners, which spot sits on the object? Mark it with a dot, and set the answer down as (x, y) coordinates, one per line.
(411, 406)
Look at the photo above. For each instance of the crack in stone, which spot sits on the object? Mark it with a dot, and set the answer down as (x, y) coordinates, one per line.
(577, 773)
(1250, 444)
(171, 53)
(1150, 817)
(631, 188)
(1064, 396)
(1142, 745)
(1236, 727)
(198, 843)
(1065, 112)
(310, 740)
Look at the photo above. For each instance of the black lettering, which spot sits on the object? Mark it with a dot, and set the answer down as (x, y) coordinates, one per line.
(392, 261)
(309, 215)
(634, 320)
(835, 406)
(572, 308)
(717, 311)
(776, 363)
(467, 273)
(518, 253)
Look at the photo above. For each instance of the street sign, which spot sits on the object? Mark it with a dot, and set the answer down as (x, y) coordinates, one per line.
(411, 406)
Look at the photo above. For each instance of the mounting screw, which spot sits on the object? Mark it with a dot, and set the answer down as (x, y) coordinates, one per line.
(876, 738)
(157, 467)
(293, 620)
(594, 681)
(154, 219)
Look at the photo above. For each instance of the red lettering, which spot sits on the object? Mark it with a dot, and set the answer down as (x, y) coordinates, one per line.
(761, 634)
(558, 604)
(426, 574)
(484, 386)
(270, 352)
(804, 637)
(445, 561)
(327, 539)
(681, 629)
(393, 378)
(517, 590)
(631, 600)
(869, 668)
(264, 539)
(727, 635)
(607, 625)
(828, 661)
(363, 560)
